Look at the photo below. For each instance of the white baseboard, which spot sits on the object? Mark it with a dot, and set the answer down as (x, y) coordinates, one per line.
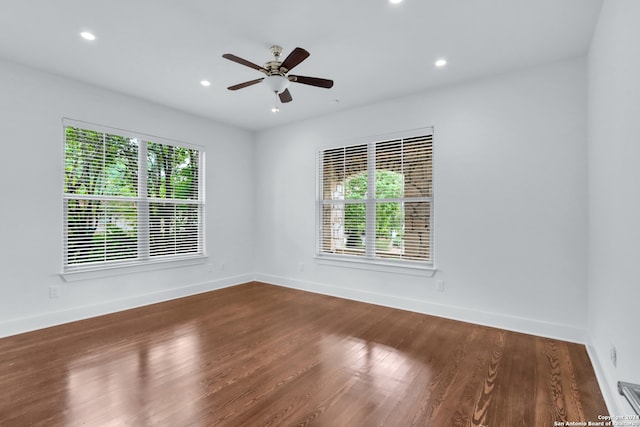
(616, 404)
(27, 324)
(497, 320)
(607, 389)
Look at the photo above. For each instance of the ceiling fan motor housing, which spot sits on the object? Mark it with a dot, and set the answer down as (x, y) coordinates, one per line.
(276, 80)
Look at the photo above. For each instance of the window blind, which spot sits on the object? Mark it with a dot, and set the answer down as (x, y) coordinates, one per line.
(174, 204)
(375, 200)
(129, 198)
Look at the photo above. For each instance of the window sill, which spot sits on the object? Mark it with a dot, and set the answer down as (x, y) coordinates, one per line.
(376, 265)
(114, 270)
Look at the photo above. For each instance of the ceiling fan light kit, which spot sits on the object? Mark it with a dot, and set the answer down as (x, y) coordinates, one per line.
(277, 83)
(277, 78)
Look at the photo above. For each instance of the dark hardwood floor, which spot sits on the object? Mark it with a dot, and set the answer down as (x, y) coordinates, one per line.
(262, 355)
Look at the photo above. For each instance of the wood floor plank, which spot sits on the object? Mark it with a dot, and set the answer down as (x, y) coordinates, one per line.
(514, 393)
(263, 355)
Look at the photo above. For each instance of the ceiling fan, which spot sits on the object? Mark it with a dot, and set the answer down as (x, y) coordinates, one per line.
(276, 71)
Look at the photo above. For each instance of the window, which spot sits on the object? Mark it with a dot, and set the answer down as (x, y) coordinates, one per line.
(375, 201)
(129, 198)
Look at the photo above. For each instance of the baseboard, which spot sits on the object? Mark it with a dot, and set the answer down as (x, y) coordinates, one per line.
(497, 320)
(609, 390)
(27, 324)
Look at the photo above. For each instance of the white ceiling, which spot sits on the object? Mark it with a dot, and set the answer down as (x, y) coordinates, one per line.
(159, 50)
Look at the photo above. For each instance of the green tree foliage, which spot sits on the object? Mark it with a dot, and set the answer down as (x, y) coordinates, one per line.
(100, 164)
(389, 215)
(172, 172)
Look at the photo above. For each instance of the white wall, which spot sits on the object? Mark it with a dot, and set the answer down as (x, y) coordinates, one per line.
(614, 196)
(510, 201)
(32, 105)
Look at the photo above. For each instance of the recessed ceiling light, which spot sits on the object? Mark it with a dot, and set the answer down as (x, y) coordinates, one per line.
(441, 62)
(205, 83)
(275, 110)
(395, 1)
(87, 36)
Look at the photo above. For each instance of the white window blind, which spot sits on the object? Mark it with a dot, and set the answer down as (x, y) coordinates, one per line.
(376, 199)
(129, 198)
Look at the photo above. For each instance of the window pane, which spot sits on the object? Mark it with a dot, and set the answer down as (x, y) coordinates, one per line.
(333, 174)
(389, 229)
(343, 228)
(356, 186)
(409, 158)
(389, 184)
(172, 172)
(417, 153)
(340, 165)
(389, 169)
(120, 175)
(403, 230)
(100, 164)
(417, 231)
(174, 229)
(99, 231)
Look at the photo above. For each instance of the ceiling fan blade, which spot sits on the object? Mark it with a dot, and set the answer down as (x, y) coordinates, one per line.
(312, 81)
(245, 84)
(285, 96)
(244, 62)
(295, 57)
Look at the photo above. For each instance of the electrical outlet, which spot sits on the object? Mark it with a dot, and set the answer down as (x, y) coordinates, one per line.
(54, 291)
(301, 266)
(613, 354)
(440, 285)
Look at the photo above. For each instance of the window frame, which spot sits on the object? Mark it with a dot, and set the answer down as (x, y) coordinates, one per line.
(144, 260)
(369, 260)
